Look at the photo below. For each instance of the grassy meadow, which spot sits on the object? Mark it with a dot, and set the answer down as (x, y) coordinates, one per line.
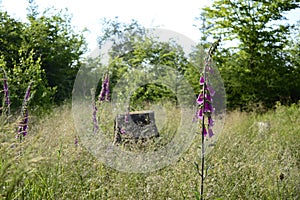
(246, 163)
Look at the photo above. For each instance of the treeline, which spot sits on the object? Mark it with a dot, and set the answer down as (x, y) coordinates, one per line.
(263, 68)
(45, 50)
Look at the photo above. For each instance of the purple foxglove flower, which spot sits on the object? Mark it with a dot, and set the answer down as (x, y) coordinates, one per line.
(204, 131)
(76, 141)
(210, 132)
(210, 121)
(95, 120)
(107, 88)
(208, 97)
(122, 131)
(201, 80)
(208, 107)
(6, 91)
(211, 90)
(200, 114)
(126, 118)
(23, 125)
(200, 99)
(104, 93)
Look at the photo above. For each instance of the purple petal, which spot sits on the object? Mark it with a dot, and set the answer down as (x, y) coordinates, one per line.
(206, 107)
(122, 131)
(107, 88)
(204, 131)
(208, 97)
(200, 114)
(6, 92)
(27, 95)
(210, 132)
(210, 121)
(200, 99)
(201, 80)
(126, 118)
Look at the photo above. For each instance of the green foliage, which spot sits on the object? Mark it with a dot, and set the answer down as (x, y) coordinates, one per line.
(58, 46)
(135, 49)
(10, 38)
(258, 70)
(23, 72)
(46, 43)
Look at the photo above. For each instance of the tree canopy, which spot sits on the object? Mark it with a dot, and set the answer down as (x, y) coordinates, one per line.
(45, 49)
(256, 71)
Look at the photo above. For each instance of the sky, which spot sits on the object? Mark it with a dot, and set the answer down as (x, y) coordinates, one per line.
(175, 15)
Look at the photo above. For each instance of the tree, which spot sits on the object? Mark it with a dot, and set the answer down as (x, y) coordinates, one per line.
(53, 39)
(45, 50)
(256, 71)
(134, 48)
(10, 37)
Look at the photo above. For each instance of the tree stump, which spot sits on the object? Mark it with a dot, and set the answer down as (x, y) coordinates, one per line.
(139, 126)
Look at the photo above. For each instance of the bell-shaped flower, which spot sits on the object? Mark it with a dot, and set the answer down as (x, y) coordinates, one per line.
(210, 132)
(210, 121)
(200, 99)
(201, 80)
(200, 114)
(204, 131)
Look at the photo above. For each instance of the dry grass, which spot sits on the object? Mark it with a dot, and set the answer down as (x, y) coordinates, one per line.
(244, 163)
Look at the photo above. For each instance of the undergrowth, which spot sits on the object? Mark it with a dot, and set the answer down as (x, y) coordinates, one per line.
(246, 163)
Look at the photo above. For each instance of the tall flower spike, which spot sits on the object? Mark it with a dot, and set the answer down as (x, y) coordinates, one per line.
(206, 109)
(23, 125)
(95, 120)
(104, 93)
(107, 88)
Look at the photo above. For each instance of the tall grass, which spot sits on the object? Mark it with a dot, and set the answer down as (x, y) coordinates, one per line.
(244, 164)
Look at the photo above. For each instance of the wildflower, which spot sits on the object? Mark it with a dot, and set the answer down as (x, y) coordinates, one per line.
(23, 125)
(208, 98)
(206, 109)
(104, 93)
(122, 131)
(107, 88)
(200, 114)
(200, 99)
(210, 121)
(210, 132)
(95, 120)
(126, 118)
(76, 141)
(204, 131)
(201, 80)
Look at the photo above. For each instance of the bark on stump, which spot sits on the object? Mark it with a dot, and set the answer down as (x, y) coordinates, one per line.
(140, 126)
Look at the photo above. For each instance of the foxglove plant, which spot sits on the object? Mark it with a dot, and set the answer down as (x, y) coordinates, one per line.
(23, 125)
(104, 93)
(95, 120)
(103, 96)
(206, 109)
